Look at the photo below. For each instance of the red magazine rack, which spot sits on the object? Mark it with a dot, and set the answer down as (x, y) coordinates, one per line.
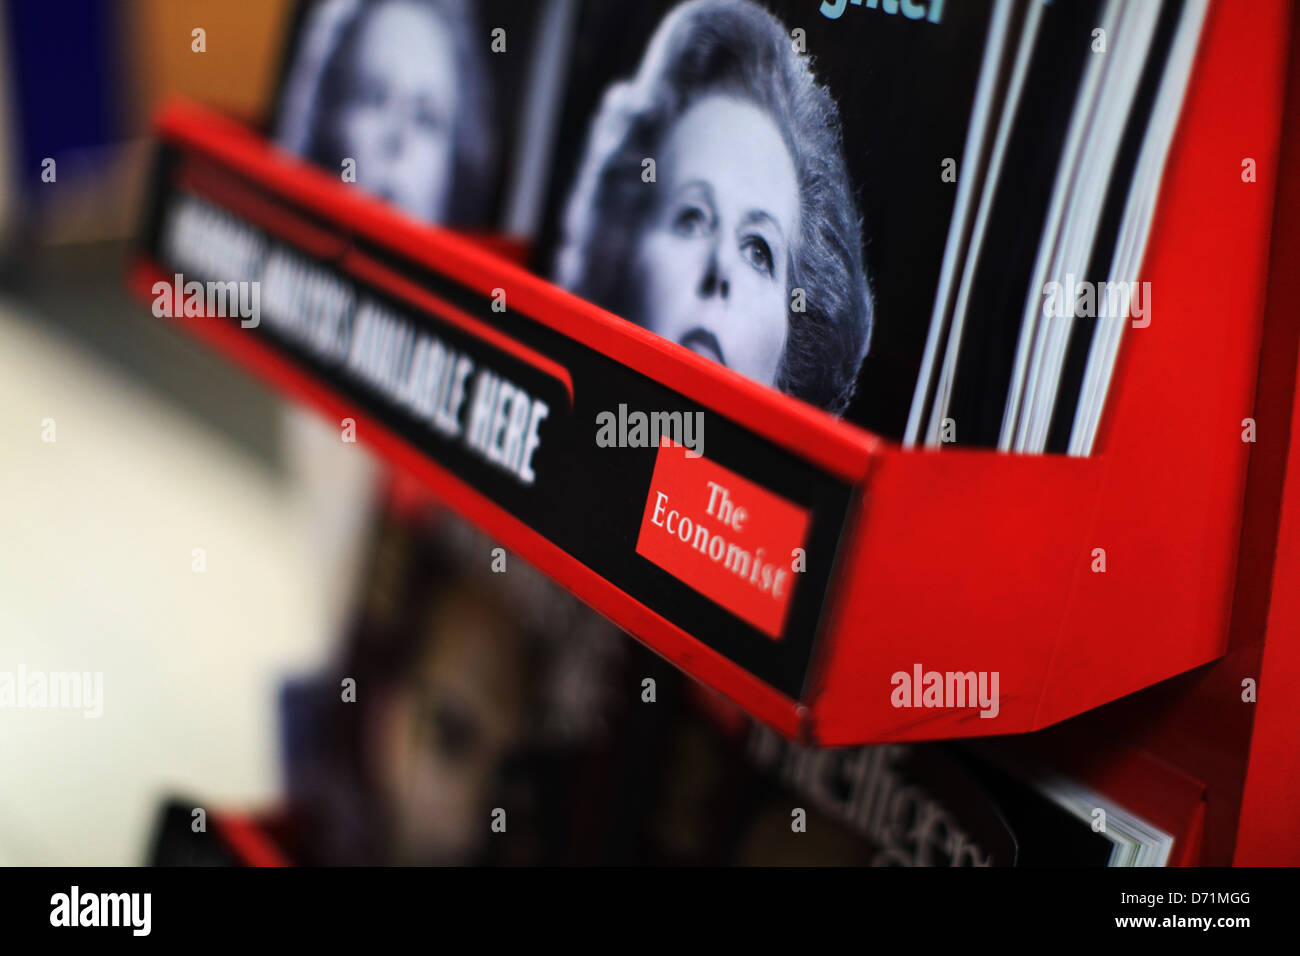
(1199, 755)
(952, 561)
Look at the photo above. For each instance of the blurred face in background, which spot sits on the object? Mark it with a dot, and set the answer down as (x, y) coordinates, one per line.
(710, 270)
(444, 736)
(398, 105)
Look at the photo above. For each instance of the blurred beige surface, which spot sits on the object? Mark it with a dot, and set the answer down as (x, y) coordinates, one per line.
(97, 532)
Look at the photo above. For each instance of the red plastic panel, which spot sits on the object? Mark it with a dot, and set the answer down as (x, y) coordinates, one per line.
(1175, 466)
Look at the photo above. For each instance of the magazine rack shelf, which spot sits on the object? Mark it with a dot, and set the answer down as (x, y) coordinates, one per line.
(947, 561)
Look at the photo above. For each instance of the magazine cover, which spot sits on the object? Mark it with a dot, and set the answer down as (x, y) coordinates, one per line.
(865, 205)
(424, 102)
(770, 185)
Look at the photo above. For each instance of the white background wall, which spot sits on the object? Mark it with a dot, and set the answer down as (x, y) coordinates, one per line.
(96, 537)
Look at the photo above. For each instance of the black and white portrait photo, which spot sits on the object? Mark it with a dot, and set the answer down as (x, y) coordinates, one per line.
(741, 240)
(794, 222)
(421, 100)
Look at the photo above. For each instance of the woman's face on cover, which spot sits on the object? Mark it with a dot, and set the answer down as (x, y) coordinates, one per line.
(710, 271)
(442, 739)
(397, 116)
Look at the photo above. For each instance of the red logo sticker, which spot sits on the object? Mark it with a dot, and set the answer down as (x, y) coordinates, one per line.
(724, 536)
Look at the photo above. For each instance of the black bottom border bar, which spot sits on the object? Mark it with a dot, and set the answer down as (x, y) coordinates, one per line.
(213, 905)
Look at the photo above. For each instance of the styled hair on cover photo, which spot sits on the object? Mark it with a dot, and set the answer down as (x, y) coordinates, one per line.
(400, 88)
(745, 244)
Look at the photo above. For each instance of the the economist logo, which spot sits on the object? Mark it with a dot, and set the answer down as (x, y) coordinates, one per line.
(724, 536)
